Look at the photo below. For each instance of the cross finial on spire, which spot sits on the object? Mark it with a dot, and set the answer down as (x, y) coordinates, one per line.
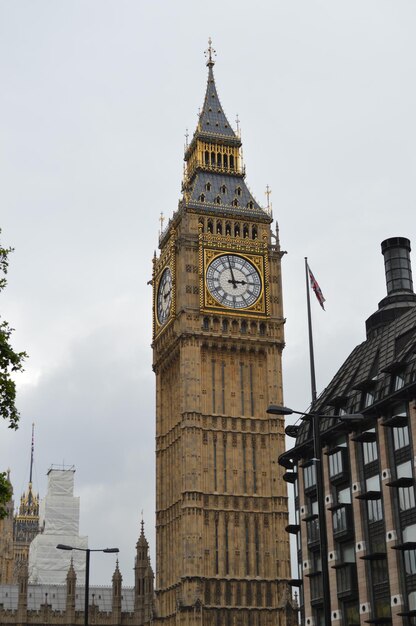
(209, 53)
(268, 192)
(161, 220)
(237, 121)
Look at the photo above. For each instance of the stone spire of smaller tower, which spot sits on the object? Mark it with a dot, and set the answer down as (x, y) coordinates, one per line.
(143, 584)
(117, 586)
(71, 581)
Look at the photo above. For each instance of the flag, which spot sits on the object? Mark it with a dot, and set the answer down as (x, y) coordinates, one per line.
(316, 288)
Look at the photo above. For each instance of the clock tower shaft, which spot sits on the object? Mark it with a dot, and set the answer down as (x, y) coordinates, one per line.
(222, 553)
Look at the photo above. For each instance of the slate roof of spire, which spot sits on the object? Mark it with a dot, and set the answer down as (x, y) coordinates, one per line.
(216, 191)
(212, 119)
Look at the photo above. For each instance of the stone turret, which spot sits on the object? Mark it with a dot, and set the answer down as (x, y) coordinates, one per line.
(143, 581)
(117, 593)
(71, 581)
(22, 581)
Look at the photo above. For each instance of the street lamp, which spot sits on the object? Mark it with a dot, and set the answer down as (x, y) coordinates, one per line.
(351, 418)
(87, 551)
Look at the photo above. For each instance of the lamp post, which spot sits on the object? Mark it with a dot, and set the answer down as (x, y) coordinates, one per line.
(87, 551)
(317, 459)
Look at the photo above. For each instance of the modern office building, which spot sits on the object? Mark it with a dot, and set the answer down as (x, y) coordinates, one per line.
(368, 469)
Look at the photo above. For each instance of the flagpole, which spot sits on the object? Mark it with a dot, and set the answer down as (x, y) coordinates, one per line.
(317, 450)
(311, 355)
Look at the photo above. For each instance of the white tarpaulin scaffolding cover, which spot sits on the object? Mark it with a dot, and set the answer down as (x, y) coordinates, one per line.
(59, 521)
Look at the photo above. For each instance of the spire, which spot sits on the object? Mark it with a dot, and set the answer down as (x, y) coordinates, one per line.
(142, 541)
(209, 53)
(212, 119)
(117, 574)
(29, 502)
(32, 449)
(214, 175)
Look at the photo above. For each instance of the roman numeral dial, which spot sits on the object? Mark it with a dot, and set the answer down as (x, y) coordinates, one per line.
(164, 296)
(233, 281)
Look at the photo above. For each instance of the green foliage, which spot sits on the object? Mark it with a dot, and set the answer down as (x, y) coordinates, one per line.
(10, 361)
(5, 494)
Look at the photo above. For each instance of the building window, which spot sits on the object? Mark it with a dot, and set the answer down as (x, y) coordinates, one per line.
(409, 535)
(412, 600)
(370, 450)
(379, 571)
(406, 494)
(309, 476)
(368, 399)
(400, 437)
(398, 382)
(335, 463)
(374, 507)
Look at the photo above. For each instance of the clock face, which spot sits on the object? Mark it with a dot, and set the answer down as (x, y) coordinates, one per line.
(164, 296)
(233, 281)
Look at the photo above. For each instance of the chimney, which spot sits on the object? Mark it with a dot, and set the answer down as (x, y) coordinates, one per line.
(400, 296)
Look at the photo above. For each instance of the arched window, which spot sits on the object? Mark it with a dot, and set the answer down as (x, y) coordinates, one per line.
(223, 188)
(228, 228)
(243, 327)
(208, 186)
(245, 230)
(238, 191)
(219, 227)
(201, 222)
(250, 205)
(231, 162)
(224, 326)
(225, 160)
(219, 159)
(202, 197)
(237, 230)
(210, 226)
(218, 200)
(262, 329)
(206, 323)
(213, 158)
(254, 232)
(206, 157)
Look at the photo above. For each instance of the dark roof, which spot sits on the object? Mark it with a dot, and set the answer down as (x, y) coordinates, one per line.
(212, 119)
(211, 185)
(205, 190)
(371, 367)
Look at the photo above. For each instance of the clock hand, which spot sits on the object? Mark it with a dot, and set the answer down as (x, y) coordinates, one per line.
(233, 281)
(238, 282)
(165, 295)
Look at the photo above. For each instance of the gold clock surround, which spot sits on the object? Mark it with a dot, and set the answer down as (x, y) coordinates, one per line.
(165, 262)
(255, 252)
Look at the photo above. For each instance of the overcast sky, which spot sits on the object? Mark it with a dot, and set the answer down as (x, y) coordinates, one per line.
(96, 97)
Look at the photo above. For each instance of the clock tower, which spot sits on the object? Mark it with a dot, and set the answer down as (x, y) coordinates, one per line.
(222, 553)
